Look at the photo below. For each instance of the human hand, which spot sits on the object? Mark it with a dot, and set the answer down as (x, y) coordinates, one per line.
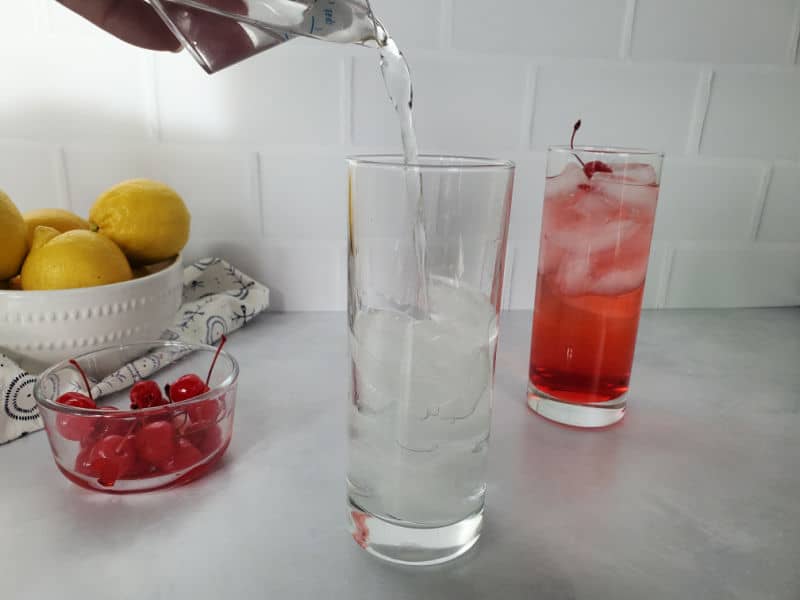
(133, 21)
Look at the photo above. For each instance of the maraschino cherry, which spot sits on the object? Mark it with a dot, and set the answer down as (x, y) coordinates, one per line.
(204, 436)
(590, 168)
(190, 386)
(186, 387)
(72, 427)
(145, 394)
(111, 458)
(155, 442)
(104, 426)
(186, 455)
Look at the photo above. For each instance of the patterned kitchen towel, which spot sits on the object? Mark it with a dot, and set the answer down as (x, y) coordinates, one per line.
(217, 299)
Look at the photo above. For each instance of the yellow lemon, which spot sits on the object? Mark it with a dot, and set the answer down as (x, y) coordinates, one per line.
(59, 219)
(13, 238)
(41, 235)
(147, 219)
(73, 259)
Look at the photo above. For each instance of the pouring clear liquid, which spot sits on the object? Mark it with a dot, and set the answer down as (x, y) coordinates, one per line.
(220, 33)
(397, 78)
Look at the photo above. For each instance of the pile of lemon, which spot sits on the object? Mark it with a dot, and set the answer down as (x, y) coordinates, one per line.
(134, 224)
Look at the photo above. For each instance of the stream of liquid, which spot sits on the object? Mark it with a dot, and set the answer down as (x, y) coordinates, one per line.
(397, 79)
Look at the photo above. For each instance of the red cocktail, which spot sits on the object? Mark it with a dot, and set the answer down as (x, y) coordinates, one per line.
(599, 209)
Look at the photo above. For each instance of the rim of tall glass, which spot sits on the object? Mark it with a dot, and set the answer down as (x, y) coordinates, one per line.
(606, 150)
(442, 162)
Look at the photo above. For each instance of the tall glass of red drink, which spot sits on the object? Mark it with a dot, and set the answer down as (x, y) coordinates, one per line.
(597, 224)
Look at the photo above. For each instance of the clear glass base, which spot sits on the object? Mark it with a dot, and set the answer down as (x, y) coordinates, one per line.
(587, 416)
(406, 544)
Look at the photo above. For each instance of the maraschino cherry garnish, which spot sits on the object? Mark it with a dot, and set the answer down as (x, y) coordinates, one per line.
(590, 168)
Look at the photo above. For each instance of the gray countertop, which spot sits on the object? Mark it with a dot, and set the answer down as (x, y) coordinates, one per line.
(695, 495)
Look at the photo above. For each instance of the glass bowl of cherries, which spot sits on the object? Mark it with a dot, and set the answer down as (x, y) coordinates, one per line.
(139, 417)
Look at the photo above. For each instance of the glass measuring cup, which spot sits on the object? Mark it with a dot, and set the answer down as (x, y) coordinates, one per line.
(219, 33)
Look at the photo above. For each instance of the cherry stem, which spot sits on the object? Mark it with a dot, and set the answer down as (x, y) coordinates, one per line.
(222, 341)
(75, 364)
(572, 142)
(118, 449)
(185, 416)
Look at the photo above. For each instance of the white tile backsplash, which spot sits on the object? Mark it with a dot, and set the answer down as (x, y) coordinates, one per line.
(526, 205)
(479, 113)
(754, 112)
(411, 23)
(722, 31)
(539, 27)
(734, 275)
(780, 221)
(258, 150)
(302, 276)
(620, 104)
(70, 91)
(27, 22)
(304, 196)
(796, 42)
(30, 174)
(707, 201)
(278, 97)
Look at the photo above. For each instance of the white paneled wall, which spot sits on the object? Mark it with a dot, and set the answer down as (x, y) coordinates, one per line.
(258, 150)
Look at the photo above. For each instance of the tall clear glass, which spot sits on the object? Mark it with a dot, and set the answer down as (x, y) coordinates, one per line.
(425, 284)
(597, 224)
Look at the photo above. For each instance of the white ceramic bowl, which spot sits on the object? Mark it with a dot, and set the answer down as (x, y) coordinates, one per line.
(38, 329)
